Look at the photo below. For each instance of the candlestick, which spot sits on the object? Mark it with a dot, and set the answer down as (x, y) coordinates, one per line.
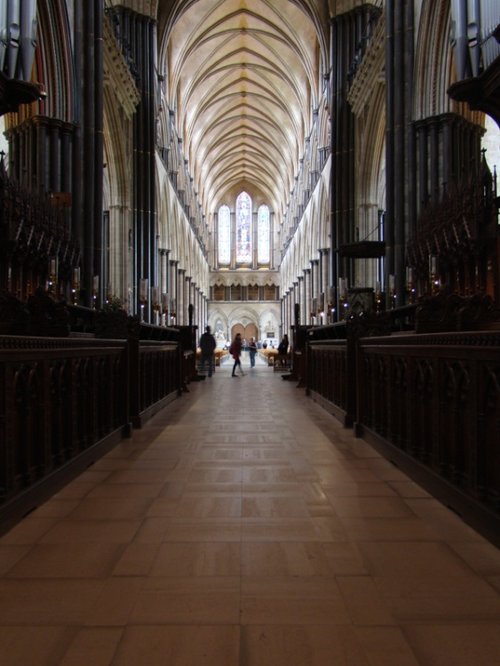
(75, 285)
(410, 288)
(392, 290)
(95, 290)
(433, 277)
(164, 302)
(378, 297)
(155, 297)
(52, 274)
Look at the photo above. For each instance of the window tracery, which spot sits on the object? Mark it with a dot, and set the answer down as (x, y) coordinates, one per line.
(244, 237)
(243, 229)
(224, 244)
(263, 235)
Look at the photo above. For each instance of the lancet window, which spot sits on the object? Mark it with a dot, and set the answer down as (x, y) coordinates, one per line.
(243, 237)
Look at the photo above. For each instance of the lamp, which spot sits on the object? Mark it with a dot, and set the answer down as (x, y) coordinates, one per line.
(433, 275)
(95, 291)
(392, 290)
(143, 295)
(410, 284)
(343, 297)
(155, 298)
(378, 297)
(75, 285)
(53, 270)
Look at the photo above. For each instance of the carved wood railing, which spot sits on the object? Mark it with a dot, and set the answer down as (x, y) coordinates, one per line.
(328, 376)
(430, 403)
(64, 402)
(155, 377)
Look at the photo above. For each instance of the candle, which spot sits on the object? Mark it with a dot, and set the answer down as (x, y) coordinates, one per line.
(164, 301)
(143, 289)
(155, 296)
(76, 276)
(95, 284)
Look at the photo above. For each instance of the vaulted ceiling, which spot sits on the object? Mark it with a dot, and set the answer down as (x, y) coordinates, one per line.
(243, 78)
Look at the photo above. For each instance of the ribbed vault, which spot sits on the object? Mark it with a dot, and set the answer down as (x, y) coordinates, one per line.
(243, 78)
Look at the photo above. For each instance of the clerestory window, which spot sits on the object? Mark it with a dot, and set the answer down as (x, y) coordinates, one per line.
(243, 238)
(243, 229)
(263, 236)
(224, 249)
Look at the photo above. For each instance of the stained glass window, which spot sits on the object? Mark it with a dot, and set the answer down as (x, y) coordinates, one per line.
(263, 236)
(224, 249)
(243, 229)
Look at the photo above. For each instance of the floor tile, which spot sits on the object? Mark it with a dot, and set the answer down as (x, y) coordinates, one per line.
(220, 559)
(93, 645)
(466, 644)
(270, 645)
(223, 537)
(69, 560)
(35, 645)
(180, 645)
(191, 600)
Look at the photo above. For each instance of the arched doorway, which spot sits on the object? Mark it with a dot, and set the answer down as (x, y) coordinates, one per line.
(247, 332)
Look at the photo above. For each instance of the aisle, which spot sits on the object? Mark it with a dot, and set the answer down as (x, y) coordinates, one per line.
(244, 526)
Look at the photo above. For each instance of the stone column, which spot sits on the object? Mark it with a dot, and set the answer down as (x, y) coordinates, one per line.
(294, 301)
(301, 299)
(307, 296)
(174, 294)
(315, 278)
(284, 312)
(164, 276)
(325, 279)
(119, 275)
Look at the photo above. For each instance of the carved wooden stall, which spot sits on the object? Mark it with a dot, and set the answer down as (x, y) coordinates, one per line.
(36, 246)
(432, 405)
(430, 402)
(65, 401)
(455, 248)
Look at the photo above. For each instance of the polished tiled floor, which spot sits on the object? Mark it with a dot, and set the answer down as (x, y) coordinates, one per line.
(243, 526)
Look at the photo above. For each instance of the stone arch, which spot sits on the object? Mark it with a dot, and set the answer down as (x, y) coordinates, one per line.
(370, 192)
(434, 65)
(218, 322)
(52, 67)
(323, 215)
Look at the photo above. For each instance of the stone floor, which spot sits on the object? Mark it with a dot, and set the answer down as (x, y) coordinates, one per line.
(243, 526)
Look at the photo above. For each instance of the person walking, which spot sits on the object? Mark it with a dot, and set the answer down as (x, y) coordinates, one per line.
(235, 351)
(207, 346)
(252, 349)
